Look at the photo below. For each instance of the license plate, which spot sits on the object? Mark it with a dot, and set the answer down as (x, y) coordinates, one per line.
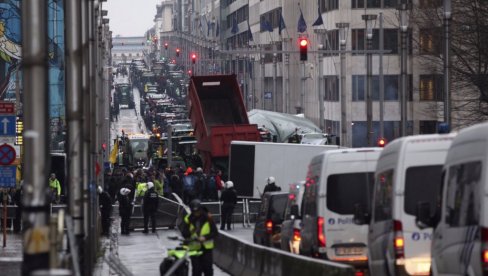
(341, 251)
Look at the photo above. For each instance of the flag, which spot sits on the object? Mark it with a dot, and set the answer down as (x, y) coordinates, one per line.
(235, 28)
(209, 26)
(249, 33)
(217, 29)
(114, 152)
(266, 26)
(302, 25)
(282, 25)
(319, 20)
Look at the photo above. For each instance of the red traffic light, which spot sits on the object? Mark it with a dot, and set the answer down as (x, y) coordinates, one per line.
(177, 52)
(166, 46)
(189, 72)
(303, 48)
(193, 58)
(381, 142)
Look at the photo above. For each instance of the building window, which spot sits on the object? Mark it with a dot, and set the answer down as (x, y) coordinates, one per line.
(430, 4)
(333, 127)
(331, 88)
(391, 87)
(429, 41)
(391, 38)
(373, 4)
(328, 5)
(430, 88)
(331, 42)
(427, 127)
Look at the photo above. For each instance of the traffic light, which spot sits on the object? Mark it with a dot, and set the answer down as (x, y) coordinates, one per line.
(177, 52)
(193, 58)
(166, 46)
(381, 142)
(303, 48)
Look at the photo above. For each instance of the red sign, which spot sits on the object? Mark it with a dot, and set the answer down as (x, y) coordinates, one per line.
(7, 108)
(7, 154)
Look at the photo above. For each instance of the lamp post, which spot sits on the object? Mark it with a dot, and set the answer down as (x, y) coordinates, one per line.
(275, 100)
(370, 20)
(403, 67)
(447, 62)
(343, 31)
(320, 90)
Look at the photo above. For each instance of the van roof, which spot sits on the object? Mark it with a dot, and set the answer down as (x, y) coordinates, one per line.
(420, 140)
(474, 134)
(351, 150)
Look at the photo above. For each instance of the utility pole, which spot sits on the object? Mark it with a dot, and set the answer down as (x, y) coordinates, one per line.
(275, 92)
(263, 76)
(36, 125)
(369, 20)
(320, 90)
(403, 67)
(343, 33)
(382, 80)
(447, 63)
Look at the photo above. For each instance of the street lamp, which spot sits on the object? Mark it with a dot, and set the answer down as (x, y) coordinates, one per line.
(370, 21)
(343, 32)
(447, 62)
(403, 67)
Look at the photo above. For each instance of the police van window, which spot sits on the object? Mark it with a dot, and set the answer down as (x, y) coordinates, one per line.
(312, 182)
(463, 194)
(383, 196)
(264, 207)
(344, 191)
(278, 205)
(426, 179)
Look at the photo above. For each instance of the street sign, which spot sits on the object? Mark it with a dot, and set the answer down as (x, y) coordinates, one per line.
(7, 125)
(7, 154)
(268, 95)
(8, 176)
(7, 108)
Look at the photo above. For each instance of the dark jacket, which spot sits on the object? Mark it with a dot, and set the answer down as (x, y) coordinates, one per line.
(105, 203)
(125, 205)
(271, 188)
(229, 197)
(150, 201)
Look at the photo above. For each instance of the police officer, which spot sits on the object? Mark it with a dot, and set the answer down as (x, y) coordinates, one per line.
(200, 228)
(125, 210)
(229, 200)
(271, 185)
(55, 187)
(149, 207)
(105, 203)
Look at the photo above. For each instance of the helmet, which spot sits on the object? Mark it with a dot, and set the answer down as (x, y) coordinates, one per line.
(229, 184)
(270, 180)
(100, 190)
(195, 205)
(199, 170)
(124, 191)
(150, 185)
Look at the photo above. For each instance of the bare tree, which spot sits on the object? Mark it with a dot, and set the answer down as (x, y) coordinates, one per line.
(469, 53)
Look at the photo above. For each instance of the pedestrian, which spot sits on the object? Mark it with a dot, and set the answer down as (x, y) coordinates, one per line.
(17, 200)
(55, 188)
(212, 187)
(271, 185)
(125, 210)
(200, 228)
(105, 203)
(229, 201)
(176, 185)
(150, 207)
(188, 186)
(200, 184)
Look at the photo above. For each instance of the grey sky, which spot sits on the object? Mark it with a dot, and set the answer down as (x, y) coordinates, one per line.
(131, 17)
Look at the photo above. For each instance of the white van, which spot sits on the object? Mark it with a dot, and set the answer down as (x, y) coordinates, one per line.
(408, 173)
(337, 181)
(460, 239)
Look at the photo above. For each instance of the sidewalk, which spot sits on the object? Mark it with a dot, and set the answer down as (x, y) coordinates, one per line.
(11, 255)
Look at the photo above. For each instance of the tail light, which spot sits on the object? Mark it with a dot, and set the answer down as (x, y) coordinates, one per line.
(269, 226)
(296, 235)
(320, 231)
(484, 250)
(399, 242)
(359, 273)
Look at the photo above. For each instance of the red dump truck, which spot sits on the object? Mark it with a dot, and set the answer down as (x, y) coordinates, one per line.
(218, 115)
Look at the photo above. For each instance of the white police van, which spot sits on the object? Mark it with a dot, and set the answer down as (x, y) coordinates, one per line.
(460, 239)
(337, 182)
(408, 174)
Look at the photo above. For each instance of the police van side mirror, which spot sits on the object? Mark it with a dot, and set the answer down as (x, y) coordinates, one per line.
(294, 211)
(423, 218)
(361, 215)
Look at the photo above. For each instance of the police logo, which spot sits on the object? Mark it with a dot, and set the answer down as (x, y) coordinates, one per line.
(331, 221)
(416, 236)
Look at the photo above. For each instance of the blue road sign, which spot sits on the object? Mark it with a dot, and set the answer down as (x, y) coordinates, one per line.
(7, 125)
(8, 176)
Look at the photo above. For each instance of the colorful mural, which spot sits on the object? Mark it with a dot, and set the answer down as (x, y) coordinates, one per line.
(10, 44)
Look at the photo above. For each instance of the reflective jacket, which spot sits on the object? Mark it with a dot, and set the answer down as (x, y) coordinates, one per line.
(207, 230)
(55, 185)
